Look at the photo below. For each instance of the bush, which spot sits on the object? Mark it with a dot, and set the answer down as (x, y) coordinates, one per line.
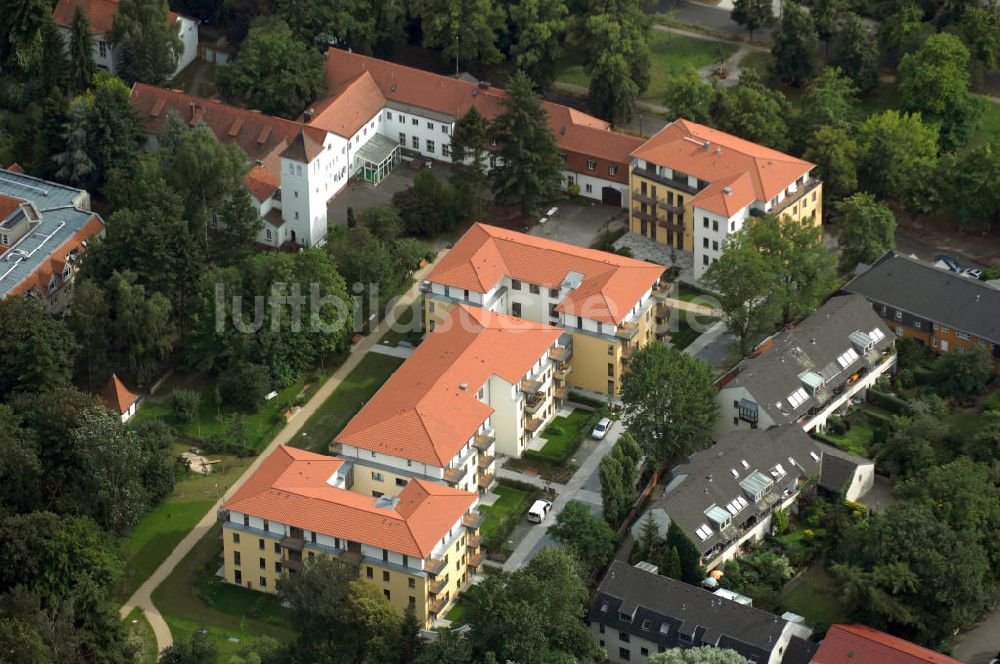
(890, 402)
(243, 385)
(837, 426)
(906, 378)
(185, 404)
(992, 404)
(584, 400)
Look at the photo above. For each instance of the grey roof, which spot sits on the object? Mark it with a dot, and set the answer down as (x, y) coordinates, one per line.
(63, 214)
(808, 352)
(378, 149)
(938, 295)
(662, 608)
(302, 148)
(740, 465)
(799, 651)
(839, 467)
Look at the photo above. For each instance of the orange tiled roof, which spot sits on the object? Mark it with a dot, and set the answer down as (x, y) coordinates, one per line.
(576, 132)
(290, 487)
(262, 137)
(680, 145)
(101, 14)
(611, 285)
(8, 205)
(261, 182)
(422, 413)
(117, 397)
(39, 279)
(349, 106)
(860, 644)
(15, 168)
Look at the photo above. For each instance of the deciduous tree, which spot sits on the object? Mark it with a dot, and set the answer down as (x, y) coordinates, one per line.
(866, 229)
(795, 43)
(464, 30)
(835, 154)
(37, 349)
(589, 537)
(537, 31)
(854, 55)
(619, 71)
(897, 152)
(702, 655)
(972, 193)
(753, 111)
(752, 14)
(689, 97)
(146, 40)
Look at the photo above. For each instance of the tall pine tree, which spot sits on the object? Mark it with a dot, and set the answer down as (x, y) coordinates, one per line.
(529, 169)
(81, 53)
(469, 144)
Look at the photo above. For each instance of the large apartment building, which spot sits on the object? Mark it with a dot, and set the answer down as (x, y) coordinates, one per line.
(480, 384)
(101, 14)
(940, 309)
(419, 543)
(692, 186)
(604, 302)
(807, 373)
(44, 230)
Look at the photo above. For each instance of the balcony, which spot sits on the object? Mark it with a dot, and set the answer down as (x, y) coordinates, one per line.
(663, 291)
(473, 542)
(351, 556)
(485, 461)
(627, 330)
(529, 386)
(676, 184)
(562, 372)
(453, 475)
(533, 424)
(473, 521)
(643, 198)
(292, 565)
(677, 226)
(475, 561)
(438, 604)
(561, 392)
(485, 481)
(627, 351)
(800, 194)
(293, 543)
(437, 585)
(532, 405)
(560, 354)
(435, 566)
(484, 441)
(670, 207)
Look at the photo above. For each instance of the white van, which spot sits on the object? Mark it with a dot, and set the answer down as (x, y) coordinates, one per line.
(538, 510)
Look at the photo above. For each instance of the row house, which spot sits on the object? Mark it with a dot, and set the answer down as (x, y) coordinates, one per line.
(636, 613)
(44, 231)
(101, 14)
(604, 302)
(419, 544)
(480, 384)
(807, 373)
(938, 308)
(693, 186)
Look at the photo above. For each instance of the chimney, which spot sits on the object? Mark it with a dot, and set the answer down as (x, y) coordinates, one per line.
(718, 149)
(464, 387)
(706, 145)
(307, 115)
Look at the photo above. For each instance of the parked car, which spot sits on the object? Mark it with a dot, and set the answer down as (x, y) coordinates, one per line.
(538, 510)
(950, 262)
(973, 273)
(996, 660)
(601, 429)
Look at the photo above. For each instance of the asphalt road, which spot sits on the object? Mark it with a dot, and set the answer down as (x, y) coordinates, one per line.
(713, 18)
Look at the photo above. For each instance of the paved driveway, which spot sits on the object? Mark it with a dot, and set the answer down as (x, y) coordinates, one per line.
(578, 224)
(360, 195)
(981, 644)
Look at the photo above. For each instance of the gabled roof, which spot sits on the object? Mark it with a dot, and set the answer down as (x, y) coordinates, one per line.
(839, 468)
(101, 14)
(404, 87)
(611, 286)
(860, 644)
(422, 412)
(812, 350)
(294, 487)
(303, 148)
(117, 397)
(941, 296)
(261, 182)
(681, 145)
(349, 106)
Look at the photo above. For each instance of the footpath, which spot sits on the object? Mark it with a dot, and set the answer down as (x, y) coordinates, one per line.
(142, 597)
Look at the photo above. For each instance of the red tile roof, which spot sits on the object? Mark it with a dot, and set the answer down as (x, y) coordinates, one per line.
(349, 106)
(860, 644)
(101, 14)
(262, 137)
(422, 413)
(117, 397)
(290, 487)
(681, 146)
(611, 286)
(577, 133)
(261, 182)
(8, 205)
(15, 168)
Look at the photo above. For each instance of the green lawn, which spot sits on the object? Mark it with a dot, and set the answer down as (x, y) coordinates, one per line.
(685, 335)
(759, 60)
(140, 633)
(456, 614)
(856, 440)
(503, 515)
(359, 386)
(163, 527)
(669, 54)
(402, 325)
(815, 598)
(989, 126)
(192, 597)
(564, 435)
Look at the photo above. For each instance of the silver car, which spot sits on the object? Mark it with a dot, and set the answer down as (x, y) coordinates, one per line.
(601, 429)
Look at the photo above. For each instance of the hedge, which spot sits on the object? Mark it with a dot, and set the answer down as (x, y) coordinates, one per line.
(890, 402)
(584, 400)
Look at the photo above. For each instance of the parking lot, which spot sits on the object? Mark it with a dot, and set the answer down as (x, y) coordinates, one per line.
(360, 195)
(579, 224)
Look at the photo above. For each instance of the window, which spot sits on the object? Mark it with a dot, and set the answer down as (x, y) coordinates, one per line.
(267, 526)
(611, 387)
(238, 577)
(411, 583)
(267, 233)
(263, 564)
(277, 548)
(704, 260)
(415, 142)
(402, 139)
(402, 118)
(899, 315)
(515, 309)
(377, 494)
(552, 310)
(644, 652)
(406, 562)
(624, 654)
(103, 46)
(962, 335)
(623, 637)
(400, 481)
(260, 544)
(388, 115)
(715, 226)
(715, 245)
(589, 188)
(515, 284)
(236, 557)
(385, 555)
(704, 242)
(533, 289)
(385, 577)
(386, 592)
(377, 476)
(236, 538)
(612, 169)
(413, 600)
(591, 164)
(414, 122)
(430, 146)
(369, 572)
(430, 125)
(611, 370)
(553, 292)
(444, 129)
(446, 149)
(263, 582)
(916, 324)
(246, 519)
(704, 222)
(944, 330)
(277, 567)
